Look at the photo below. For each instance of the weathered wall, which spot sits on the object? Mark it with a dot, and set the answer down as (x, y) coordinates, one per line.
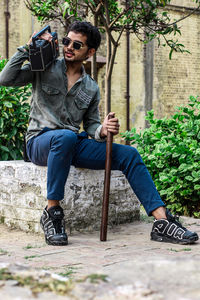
(23, 197)
(137, 91)
(176, 79)
(21, 25)
(2, 29)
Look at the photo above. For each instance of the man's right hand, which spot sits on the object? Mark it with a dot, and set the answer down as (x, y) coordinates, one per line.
(45, 36)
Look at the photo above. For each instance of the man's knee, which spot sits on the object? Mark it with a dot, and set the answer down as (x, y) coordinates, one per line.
(125, 151)
(126, 156)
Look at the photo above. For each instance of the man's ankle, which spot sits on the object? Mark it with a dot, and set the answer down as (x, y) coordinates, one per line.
(159, 213)
(52, 203)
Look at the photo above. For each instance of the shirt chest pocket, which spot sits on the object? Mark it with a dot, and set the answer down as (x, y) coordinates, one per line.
(82, 100)
(49, 90)
(52, 97)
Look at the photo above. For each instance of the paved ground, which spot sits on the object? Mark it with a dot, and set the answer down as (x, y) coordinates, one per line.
(127, 266)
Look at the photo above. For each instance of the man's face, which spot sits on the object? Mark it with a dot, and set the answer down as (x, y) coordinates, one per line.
(73, 55)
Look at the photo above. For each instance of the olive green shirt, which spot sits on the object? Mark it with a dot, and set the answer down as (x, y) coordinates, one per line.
(52, 105)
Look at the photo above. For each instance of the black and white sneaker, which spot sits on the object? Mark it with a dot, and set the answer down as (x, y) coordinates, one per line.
(53, 225)
(170, 230)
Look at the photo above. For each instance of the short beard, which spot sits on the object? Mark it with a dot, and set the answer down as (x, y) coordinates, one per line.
(75, 61)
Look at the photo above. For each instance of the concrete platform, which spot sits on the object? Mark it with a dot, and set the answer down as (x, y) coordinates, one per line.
(23, 197)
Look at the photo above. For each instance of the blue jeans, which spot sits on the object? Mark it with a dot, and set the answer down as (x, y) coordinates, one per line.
(59, 149)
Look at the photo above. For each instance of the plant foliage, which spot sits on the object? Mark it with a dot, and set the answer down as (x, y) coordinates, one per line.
(147, 19)
(171, 152)
(14, 113)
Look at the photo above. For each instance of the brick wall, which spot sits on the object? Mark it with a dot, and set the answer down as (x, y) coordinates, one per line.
(175, 80)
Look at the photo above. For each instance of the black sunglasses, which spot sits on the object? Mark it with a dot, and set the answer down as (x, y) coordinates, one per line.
(76, 45)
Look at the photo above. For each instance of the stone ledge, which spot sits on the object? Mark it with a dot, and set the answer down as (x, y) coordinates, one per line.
(23, 197)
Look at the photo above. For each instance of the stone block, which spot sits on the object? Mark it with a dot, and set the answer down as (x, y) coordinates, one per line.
(23, 197)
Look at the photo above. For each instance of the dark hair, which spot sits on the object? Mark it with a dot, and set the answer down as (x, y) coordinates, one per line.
(86, 28)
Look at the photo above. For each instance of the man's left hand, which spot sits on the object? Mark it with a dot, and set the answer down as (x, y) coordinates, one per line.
(111, 125)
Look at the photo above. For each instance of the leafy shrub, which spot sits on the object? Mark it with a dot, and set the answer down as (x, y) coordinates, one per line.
(14, 113)
(170, 149)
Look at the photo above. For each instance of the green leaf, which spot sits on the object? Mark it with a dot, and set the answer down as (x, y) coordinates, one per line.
(1, 123)
(150, 3)
(195, 174)
(66, 7)
(8, 104)
(91, 1)
(13, 154)
(164, 178)
(4, 148)
(4, 156)
(190, 178)
(163, 192)
(174, 155)
(151, 157)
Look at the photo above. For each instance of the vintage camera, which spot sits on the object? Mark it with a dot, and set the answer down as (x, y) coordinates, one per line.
(42, 53)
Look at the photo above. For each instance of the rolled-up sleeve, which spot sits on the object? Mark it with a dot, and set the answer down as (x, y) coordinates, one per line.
(14, 74)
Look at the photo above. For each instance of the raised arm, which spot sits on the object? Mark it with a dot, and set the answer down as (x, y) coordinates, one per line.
(14, 74)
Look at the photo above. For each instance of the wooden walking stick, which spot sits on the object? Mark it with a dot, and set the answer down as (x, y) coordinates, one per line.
(105, 204)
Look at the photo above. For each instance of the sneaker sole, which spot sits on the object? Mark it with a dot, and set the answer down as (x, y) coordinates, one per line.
(56, 244)
(158, 238)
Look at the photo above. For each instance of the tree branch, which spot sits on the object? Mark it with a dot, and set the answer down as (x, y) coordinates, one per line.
(119, 16)
(120, 35)
(116, 19)
(98, 8)
(197, 8)
(107, 29)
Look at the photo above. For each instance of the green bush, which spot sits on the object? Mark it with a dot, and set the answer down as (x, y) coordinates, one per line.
(14, 113)
(170, 149)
